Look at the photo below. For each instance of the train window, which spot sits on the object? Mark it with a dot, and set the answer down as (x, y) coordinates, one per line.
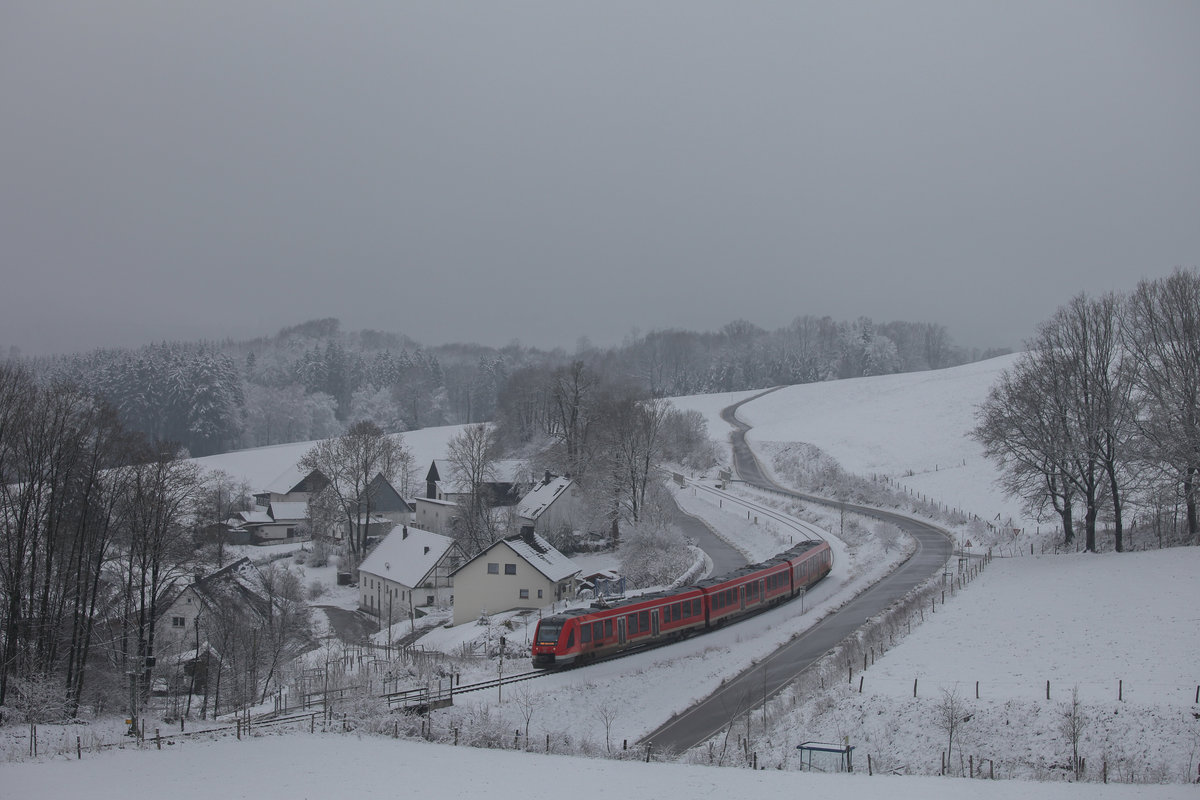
(696, 607)
(631, 624)
(548, 632)
(585, 633)
(675, 616)
(644, 620)
(597, 630)
(571, 639)
(608, 627)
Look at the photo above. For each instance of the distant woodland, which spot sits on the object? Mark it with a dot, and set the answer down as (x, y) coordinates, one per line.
(312, 380)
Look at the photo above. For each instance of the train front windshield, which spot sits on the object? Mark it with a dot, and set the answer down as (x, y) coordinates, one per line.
(548, 631)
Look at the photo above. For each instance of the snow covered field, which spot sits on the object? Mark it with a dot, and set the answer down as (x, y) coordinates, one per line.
(304, 767)
(911, 427)
(260, 467)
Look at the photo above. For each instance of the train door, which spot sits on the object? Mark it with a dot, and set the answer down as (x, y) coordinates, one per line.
(762, 591)
(742, 597)
(620, 630)
(654, 622)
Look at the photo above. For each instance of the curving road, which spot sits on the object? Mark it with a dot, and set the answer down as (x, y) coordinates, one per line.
(752, 687)
(725, 558)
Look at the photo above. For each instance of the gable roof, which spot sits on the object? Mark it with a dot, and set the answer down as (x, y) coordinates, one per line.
(406, 555)
(232, 583)
(537, 552)
(441, 471)
(288, 481)
(542, 497)
(288, 510)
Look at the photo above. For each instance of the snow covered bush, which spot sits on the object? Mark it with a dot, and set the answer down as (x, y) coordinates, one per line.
(652, 555)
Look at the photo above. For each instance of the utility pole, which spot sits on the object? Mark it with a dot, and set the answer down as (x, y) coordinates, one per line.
(500, 673)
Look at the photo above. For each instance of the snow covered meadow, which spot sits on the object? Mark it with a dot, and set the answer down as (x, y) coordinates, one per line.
(1119, 628)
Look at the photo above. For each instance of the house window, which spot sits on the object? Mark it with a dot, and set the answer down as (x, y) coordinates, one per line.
(510, 569)
(493, 569)
(524, 594)
(428, 599)
(178, 622)
(539, 594)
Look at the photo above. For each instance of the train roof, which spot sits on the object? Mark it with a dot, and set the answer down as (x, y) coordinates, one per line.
(782, 558)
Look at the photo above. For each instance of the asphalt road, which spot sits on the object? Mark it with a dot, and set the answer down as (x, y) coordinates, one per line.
(725, 557)
(768, 677)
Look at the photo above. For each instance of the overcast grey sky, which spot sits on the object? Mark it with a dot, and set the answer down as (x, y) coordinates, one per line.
(484, 171)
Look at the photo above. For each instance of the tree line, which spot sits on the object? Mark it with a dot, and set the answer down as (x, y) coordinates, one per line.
(1101, 413)
(312, 381)
(98, 529)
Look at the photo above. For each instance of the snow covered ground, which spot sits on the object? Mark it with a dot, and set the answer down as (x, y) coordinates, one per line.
(912, 428)
(308, 767)
(1088, 621)
(261, 466)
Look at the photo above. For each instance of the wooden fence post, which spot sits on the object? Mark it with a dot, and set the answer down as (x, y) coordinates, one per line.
(914, 687)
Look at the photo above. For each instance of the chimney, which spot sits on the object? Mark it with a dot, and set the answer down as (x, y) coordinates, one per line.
(527, 534)
(404, 533)
(426, 551)
(547, 476)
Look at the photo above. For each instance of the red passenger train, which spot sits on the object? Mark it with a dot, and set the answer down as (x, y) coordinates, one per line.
(585, 634)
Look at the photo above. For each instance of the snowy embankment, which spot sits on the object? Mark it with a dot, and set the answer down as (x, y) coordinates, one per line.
(304, 767)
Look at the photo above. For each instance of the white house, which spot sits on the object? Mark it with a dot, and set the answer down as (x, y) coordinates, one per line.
(409, 569)
(554, 504)
(279, 521)
(521, 571)
(436, 515)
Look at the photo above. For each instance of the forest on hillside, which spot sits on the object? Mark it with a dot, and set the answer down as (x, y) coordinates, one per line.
(312, 380)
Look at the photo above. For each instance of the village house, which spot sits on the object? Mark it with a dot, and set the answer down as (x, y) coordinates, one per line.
(186, 625)
(555, 504)
(280, 510)
(407, 571)
(438, 516)
(505, 486)
(280, 521)
(520, 571)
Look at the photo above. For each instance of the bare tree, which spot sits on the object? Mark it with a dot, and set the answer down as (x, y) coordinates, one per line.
(607, 714)
(1163, 338)
(350, 463)
(951, 714)
(1074, 722)
(472, 455)
(1058, 423)
(528, 703)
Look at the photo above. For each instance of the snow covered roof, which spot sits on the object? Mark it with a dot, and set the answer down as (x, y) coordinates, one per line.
(436, 502)
(542, 556)
(541, 497)
(503, 471)
(406, 555)
(286, 480)
(288, 510)
(254, 518)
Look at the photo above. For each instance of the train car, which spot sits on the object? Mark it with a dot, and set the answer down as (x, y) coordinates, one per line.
(810, 562)
(585, 634)
(581, 635)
